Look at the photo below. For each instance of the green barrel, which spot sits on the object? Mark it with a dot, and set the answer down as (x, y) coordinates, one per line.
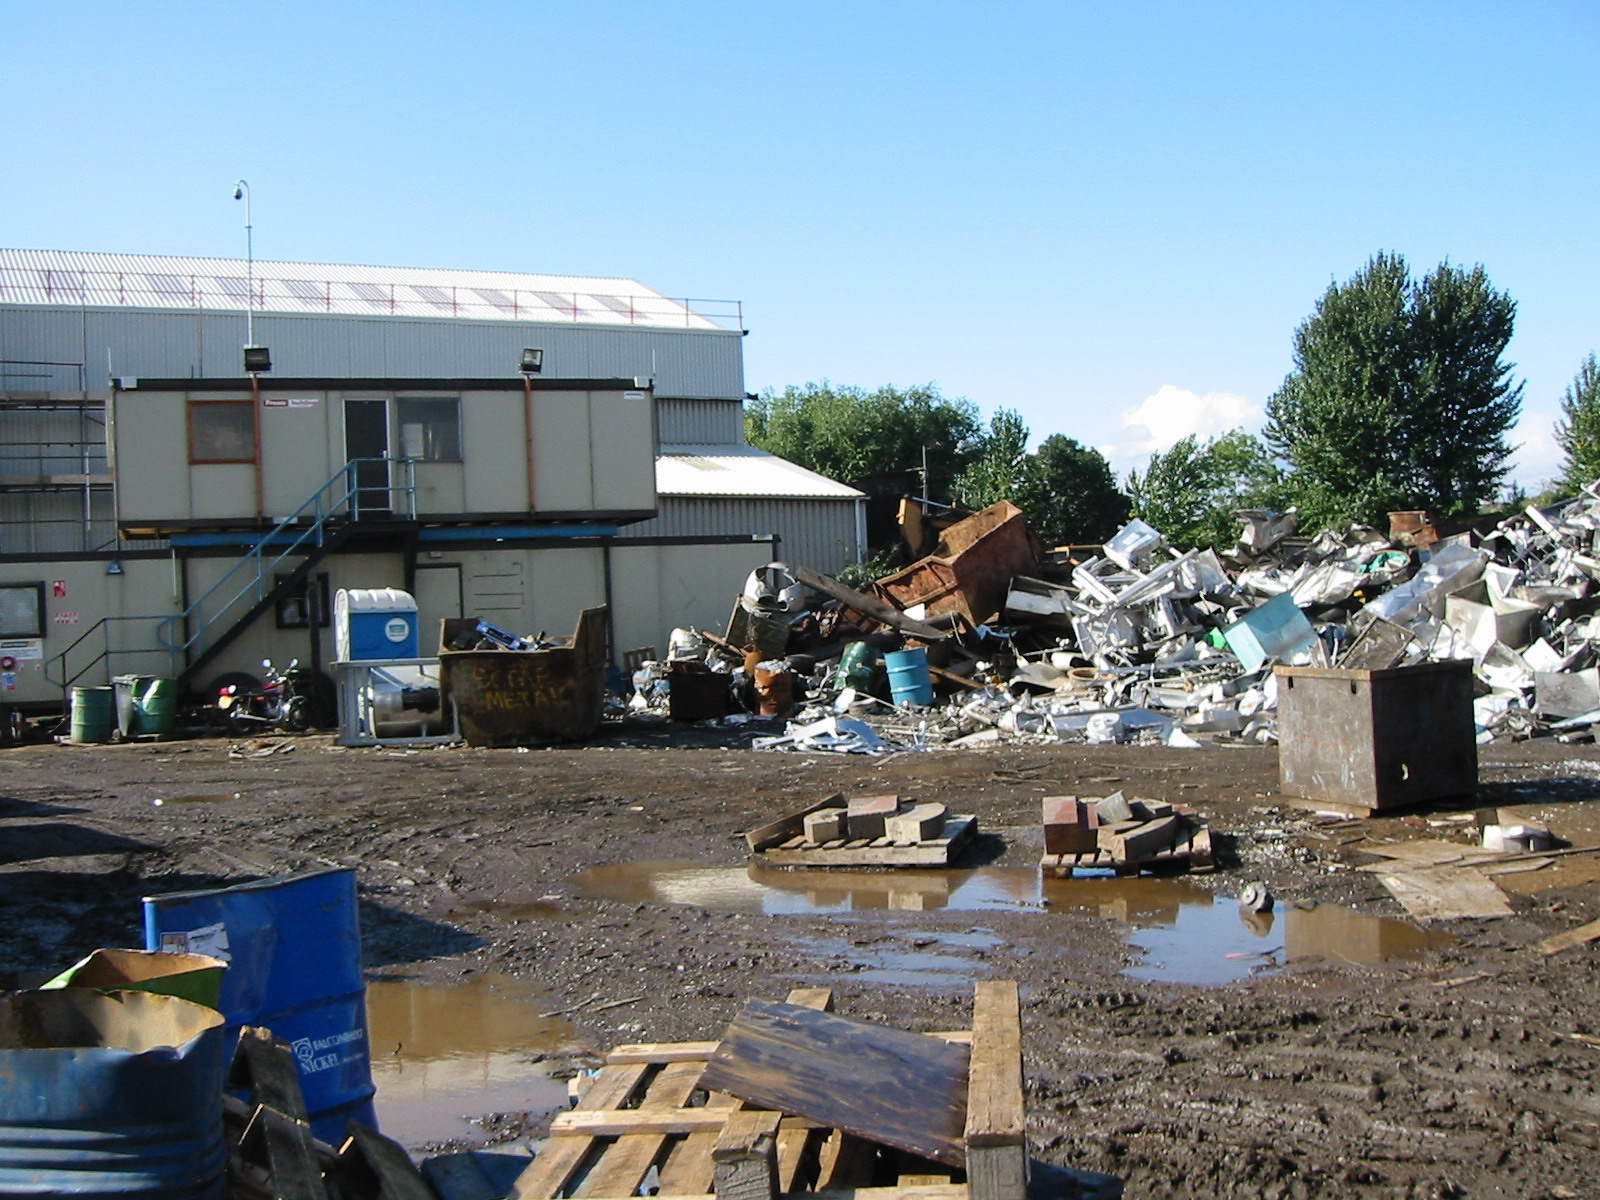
(91, 714)
(155, 706)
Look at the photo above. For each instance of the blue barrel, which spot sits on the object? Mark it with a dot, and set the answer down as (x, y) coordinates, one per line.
(909, 681)
(91, 714)
(111, 1096)
(293, 948)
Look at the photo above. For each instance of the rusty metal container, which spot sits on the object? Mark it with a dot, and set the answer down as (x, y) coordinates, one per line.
(1377, 739)
(527, 697)
(970, 570)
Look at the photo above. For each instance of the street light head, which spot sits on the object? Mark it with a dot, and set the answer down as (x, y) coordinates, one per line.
(238, 193)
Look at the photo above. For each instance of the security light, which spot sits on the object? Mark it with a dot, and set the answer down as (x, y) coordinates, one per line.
(532, 361)
(257, 359)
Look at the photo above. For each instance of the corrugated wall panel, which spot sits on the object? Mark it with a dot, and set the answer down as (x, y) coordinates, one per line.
(700, 422)
(181, 345)
(820, 534)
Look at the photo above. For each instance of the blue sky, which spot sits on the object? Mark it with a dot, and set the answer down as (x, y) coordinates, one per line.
(1110, 217)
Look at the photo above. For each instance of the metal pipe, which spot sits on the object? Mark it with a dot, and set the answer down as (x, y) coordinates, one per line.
(241, 191)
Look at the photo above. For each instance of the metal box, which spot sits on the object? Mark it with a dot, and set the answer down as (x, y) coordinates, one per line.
(1377, 739)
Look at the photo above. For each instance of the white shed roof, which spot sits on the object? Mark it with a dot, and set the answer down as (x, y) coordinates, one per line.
(78, 278)
(723, 470)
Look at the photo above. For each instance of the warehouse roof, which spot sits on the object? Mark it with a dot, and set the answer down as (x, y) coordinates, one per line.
(733, 471)
(80, 278)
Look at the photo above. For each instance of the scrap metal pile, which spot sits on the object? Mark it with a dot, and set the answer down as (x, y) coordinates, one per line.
(991, 639)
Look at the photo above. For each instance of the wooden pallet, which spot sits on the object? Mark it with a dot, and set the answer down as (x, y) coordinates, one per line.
(645, 1110)
(1191, 854)
(876, 852)
(782, 843)
(272, 1155)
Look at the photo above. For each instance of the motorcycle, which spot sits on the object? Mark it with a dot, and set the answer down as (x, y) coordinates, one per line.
(295, 700)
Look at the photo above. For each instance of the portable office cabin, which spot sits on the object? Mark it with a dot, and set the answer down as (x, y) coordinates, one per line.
(480, 451)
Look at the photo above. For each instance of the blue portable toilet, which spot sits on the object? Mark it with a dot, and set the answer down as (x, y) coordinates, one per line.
(293, 949)
(374, 623)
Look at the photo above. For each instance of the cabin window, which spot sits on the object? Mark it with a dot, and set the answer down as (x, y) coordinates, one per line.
(430, 430)
(221, 431)
(22, 610)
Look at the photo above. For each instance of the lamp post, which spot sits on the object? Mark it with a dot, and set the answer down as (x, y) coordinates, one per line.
(241, 191)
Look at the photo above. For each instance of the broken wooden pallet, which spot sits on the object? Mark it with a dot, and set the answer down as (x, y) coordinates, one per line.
(646, 1109)
(272, 1154)
(1191, 853)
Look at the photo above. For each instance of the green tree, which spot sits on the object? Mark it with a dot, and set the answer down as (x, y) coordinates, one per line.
(1065, 489)
(1578, 430)
(1399, 398)
(856, 436)
(1191, 491)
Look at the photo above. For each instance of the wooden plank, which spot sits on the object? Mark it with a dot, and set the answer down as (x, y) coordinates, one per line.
(661, 1052)
(997, 1120)
(785, 827)
(901, 1089)
(869, 606)
(621, 1122)
(547, 1175)
(291, 1157)
(945, 1191)
(793, 1147)
(1429, 852)
(689, 1167)
(844, 1162)
(264, 1066)
(625, 1164)
(397, 1176)
(1445, 895)
(1571, 937)
(745, 1158)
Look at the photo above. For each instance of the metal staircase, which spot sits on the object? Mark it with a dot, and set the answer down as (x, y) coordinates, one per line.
(193, 638)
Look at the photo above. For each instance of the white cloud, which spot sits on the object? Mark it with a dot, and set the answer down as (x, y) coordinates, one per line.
(1160, 420)
(1538, 459)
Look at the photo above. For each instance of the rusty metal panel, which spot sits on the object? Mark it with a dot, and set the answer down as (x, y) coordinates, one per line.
(527, 697)
(1377, 739)
(970, 570)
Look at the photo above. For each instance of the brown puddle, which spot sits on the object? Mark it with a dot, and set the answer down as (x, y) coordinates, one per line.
(1189, 934)
(440, 1053)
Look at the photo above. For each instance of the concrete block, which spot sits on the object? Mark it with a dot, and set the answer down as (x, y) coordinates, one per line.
(867, 814)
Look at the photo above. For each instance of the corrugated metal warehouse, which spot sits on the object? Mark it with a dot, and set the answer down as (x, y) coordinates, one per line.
(424, 353)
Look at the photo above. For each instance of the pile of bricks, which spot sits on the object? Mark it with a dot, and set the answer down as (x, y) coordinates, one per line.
(1126, 835)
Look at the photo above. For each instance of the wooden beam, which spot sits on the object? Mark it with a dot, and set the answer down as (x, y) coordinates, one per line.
(624, 1165)
(1571, 937)
(745, 1158)
(997, 1121)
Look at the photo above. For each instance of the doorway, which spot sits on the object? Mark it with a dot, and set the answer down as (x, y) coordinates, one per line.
(366, 436)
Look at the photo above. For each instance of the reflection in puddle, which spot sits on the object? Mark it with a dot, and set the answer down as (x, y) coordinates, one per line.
(442, 1052)
(1189, 934)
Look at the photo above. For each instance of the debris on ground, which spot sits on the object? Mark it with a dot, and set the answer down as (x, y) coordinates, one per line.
(1135, 641)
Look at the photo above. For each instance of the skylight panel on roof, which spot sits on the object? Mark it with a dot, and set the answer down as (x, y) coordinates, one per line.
(567, 304)
(374, 295)
(307, 292)
(435, 296)
(233, 287)
(497, 298)
(623, 308)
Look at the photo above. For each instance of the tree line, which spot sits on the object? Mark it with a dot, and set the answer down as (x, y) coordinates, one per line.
(1399, 398)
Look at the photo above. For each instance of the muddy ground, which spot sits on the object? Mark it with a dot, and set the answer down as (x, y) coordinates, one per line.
(1455, 1075)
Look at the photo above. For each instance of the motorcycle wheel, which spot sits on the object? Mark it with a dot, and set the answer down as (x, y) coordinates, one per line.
(240, 724)
(296, 715)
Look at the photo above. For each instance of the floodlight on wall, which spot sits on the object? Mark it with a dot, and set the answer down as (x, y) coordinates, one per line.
(257, 359)
(532, 361)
